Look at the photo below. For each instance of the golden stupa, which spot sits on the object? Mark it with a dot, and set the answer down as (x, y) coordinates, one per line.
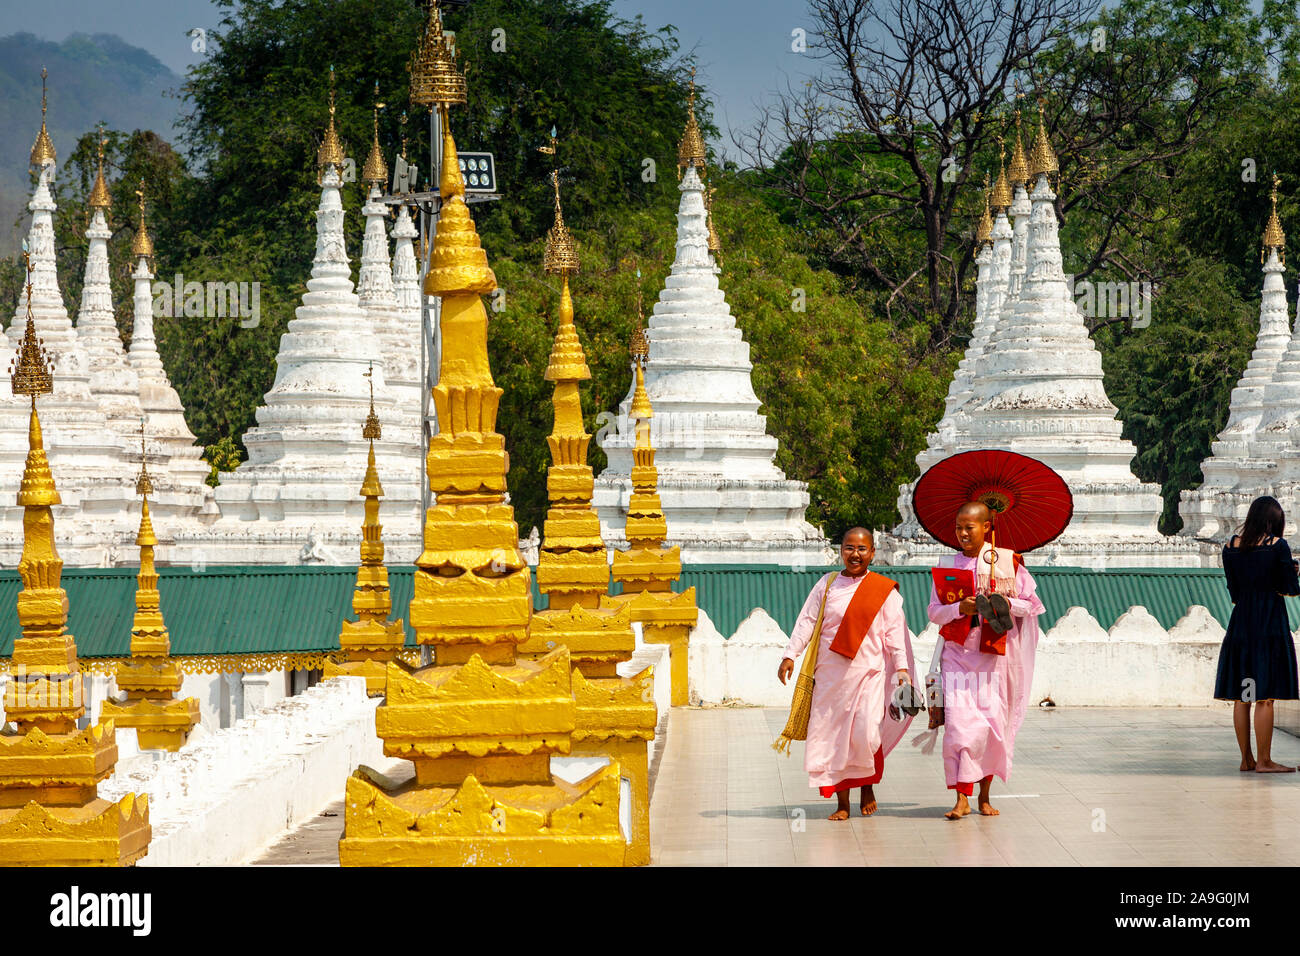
(616, 716)
(372, 640)
(479, 724)
(150, 677)
(50, 810)
(647, 569)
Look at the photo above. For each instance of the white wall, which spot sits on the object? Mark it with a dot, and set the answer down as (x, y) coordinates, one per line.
(1135, 663)
(227, 795)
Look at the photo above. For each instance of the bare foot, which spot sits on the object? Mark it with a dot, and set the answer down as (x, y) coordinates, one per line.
(868, 801)
(839, 815)
(987, 809)
(960, 808)
(1268, 766)
(1247, 764)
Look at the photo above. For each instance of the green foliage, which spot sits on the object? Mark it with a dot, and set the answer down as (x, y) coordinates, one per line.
(222, 456)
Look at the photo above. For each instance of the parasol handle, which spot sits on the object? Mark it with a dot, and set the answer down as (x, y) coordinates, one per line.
(991, 558)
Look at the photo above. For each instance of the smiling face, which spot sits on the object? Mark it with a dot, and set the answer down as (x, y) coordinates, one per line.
(857, 551)
(973, 524)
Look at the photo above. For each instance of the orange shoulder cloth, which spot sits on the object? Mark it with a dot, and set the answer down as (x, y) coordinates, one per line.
(867, 601)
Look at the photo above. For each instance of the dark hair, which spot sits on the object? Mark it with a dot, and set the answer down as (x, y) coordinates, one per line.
(1264, 520)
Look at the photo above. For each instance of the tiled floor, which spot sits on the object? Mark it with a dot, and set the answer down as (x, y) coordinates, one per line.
(1091, 786)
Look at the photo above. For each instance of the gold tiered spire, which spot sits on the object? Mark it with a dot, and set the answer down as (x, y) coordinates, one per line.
(50, 812)
(435, 78)
(372, 640)
(1274, 237)
(647, 569)
(1018, 171)
(143, 244)
(479, 724)
(1042, 160)
(150, 677)
(1002, 197)
(99, 195)
(43, 148)
(331, 150)
(375, 171)
(690, 150)
(984, 231)
(615, 716)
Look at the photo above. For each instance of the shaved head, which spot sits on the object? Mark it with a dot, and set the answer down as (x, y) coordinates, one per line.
(977, 510)
(865, 532)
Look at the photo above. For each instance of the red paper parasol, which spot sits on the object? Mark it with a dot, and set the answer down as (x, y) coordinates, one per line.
(1032, 503)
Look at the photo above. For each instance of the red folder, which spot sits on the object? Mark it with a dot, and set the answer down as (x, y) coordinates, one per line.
(952, 585)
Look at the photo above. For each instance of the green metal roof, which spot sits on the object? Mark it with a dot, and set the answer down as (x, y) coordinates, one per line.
(251, 609)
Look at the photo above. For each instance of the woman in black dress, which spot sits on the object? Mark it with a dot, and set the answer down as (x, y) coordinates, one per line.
(1257, 662)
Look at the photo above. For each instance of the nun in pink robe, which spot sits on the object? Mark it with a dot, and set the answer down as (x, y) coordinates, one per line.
(985, 695)
(849, 730)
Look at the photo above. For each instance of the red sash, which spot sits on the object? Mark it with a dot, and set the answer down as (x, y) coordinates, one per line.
(866, 603)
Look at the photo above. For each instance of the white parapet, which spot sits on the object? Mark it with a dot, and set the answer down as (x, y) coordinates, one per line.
(225, 798)
(1136, 663)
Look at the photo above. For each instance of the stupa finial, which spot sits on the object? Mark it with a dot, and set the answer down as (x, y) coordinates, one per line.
(715, 243)
(690, 151)
(99, 195)
(1274, 237)
(43, 148)
(561, 255)
(142, 246)
(371, 430)
(331, 150)
(143, 481)
(435, 79)
(984, 231)
(1042, 160)
(32, 371)
(1002, 197)
(375, 171)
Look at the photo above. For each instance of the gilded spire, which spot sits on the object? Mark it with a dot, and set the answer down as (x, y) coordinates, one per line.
(143, 245)
(457, 262)
(1002, 197)
(375, 172)
(690, 151)
(1274, 237)
(641, 410)
(331, 150)
(99, 197)
(435, 79)
(43, 148)
(1042, 160)
(561, 256)
(32, 371)
(1018, 171)
(984, 231)
(143, 481)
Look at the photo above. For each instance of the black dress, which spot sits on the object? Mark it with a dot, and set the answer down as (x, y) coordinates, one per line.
(1257, 660)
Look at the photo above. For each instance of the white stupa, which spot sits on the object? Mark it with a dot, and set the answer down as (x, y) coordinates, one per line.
(1265, 407)
(994, 260)
(398, 334)
(112, 380)
(295, 499)
(724, 497)
(1038, 391)
(87, 457)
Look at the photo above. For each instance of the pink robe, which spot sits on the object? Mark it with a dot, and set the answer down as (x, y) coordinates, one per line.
(849, 720)
(985, 695)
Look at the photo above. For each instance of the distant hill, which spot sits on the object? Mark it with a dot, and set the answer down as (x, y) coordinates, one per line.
(93, 77)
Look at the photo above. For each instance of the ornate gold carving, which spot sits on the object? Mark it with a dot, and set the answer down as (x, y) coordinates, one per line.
(1274, 237)
(435, 80)
(375, 171)
(99, 195)
(690, 150)
(330, 152)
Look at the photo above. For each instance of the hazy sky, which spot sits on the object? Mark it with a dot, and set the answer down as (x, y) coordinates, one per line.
(742, 46)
